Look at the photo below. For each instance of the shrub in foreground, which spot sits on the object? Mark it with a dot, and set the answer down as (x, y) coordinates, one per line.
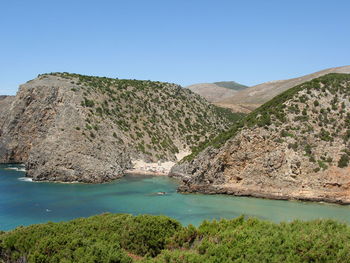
(145, 238)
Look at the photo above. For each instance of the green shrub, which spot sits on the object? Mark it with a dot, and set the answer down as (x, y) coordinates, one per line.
(113, 237)
(343, 161)
(322, 165)
(103, 238)
(253, 240)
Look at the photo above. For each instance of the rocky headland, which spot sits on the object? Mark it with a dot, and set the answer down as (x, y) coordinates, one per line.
(75, 128)
(296, 146)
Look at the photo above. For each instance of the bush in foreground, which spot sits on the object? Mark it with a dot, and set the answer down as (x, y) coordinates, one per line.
(125, 238)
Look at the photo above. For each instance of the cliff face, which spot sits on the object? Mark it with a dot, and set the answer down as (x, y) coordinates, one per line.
(68, 127)
(296, 146)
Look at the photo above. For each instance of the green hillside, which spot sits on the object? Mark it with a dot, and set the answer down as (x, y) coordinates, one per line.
(299, 112)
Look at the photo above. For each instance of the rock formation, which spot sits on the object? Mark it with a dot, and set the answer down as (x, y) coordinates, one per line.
(296, 146)
(69, 127)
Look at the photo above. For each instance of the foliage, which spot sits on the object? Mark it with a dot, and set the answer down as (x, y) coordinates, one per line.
(343, 161)
(101, 238)
(253, 240)
(125, 238)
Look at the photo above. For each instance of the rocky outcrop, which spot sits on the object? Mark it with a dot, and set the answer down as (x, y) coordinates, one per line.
(296, 146)
(69, 127)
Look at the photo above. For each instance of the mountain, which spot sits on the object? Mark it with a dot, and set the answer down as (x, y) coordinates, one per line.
(231, 85)
(249, 99)
(216, 91)
(70, 127)
(295, 146)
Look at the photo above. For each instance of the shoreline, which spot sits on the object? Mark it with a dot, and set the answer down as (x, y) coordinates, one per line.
(144, 172)
(141, 167)
(211, 190)
(163, 169)
(241, 192)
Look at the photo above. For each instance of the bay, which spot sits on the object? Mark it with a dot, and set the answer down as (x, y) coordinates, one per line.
(23, 202)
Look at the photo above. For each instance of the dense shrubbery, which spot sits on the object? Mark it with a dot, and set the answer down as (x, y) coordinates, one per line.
(344, 161)
(103, 238)
(124, 238)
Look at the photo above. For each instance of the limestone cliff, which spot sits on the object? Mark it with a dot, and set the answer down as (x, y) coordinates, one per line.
(69, 127)
(296, 146)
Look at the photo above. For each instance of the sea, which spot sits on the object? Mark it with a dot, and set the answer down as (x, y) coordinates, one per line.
(23, 202)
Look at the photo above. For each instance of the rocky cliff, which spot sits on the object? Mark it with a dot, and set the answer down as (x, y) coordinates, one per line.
(296, 146)
(70, 127)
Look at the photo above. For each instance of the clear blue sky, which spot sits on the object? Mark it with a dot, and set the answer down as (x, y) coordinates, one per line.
(180, 41)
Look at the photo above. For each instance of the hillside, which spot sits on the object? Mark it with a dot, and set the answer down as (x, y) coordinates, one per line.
(5, 102)
(123, 238)
(231, 85)
(217, 91)
(252, 97)
(296, 146)
(70, 127)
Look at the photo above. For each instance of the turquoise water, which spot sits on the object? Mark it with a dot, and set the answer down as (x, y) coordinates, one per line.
(24, 203)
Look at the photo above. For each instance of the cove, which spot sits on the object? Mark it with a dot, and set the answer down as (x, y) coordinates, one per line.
(25, 203)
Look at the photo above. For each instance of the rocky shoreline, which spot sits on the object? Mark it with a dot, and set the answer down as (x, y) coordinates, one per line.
(212, 190)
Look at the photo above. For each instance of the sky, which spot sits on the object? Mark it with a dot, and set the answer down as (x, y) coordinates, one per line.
(183, 41)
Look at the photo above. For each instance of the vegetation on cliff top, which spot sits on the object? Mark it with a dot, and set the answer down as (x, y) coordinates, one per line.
(145, 238)
(156, 118)
(319, 108)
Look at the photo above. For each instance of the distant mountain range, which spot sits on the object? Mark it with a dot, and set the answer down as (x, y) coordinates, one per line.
(217, 91)
(246, 100)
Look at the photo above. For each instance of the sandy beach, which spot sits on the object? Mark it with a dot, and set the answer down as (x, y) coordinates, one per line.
(141, 167)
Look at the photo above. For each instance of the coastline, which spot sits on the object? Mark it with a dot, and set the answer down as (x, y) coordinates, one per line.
(245, 192)
(143, 172)
(141, 167)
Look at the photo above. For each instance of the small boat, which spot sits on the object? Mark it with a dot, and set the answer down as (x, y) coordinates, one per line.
(161, 193)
